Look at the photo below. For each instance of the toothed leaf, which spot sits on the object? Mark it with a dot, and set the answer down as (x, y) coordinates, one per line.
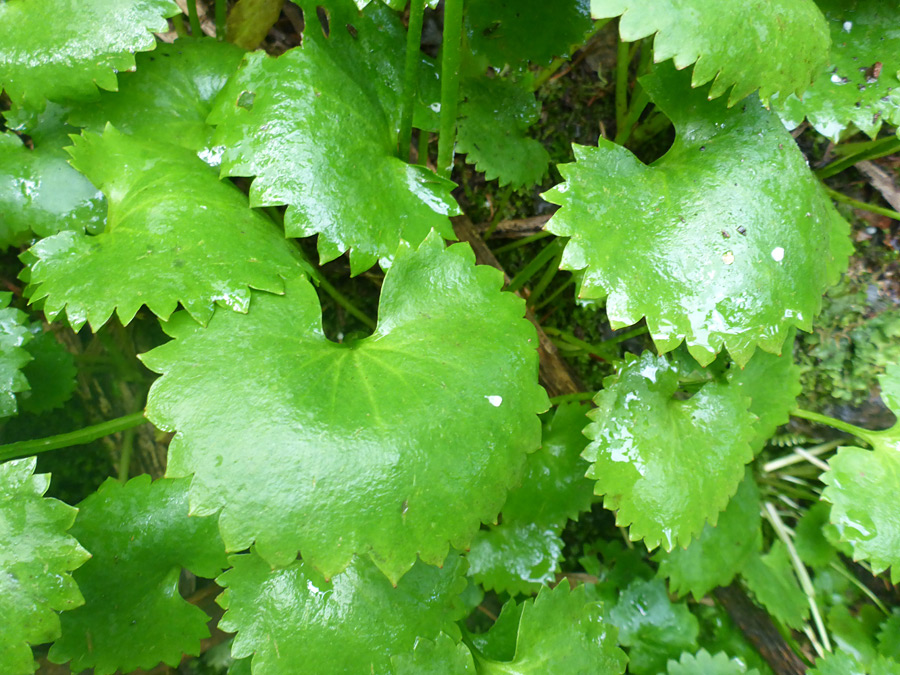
(50, 374)
(737, 240)
(861, 83)
(771, 579)
(197, 243)
(292, 620)
(308, 124)
(516, 557)
(65, 49)
(140, 536)
(441, 657)
(353, 428)
(14, 335)
(666, 466)
(37, 557)
(770, 45)
(702, 663)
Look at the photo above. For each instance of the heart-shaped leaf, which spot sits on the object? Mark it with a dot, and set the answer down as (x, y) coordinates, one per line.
(65, 49)
(295, 622)
(776, 46)
(737, 240)
(861, 85)
(140, 536)
(37, 557)
(666, 466)
(353, 429)
(317, 128)
(197, 244)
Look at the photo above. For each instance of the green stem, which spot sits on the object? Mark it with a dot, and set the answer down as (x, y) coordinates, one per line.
(653, 126)
(840, 425)
(450, 63)
(566, 398)
(639, 102)
(844, 572)
(524, 241)
(424, 137)
(860, 152)
(541, 259)
(579, 344)
(634, 332)
(194, 19)
(221, 11)
(80, 437)
(544, 76)
(880, 210)
(410, 75)
(178, 23)
(545, 280)
(550, 298)
(498, 213)
(344, 302)
(802, 574)
(622, 63)
(125, 454)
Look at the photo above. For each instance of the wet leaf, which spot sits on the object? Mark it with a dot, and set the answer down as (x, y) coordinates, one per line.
(737, 239)
(353, 427)
(441, 657)
(774, 46)
(14, 336)
(845, 664)
(140, 536)
(50, 374)
(862, 486)
(702, 663)
(308, 124)
(293, 621)
(65, 49)
(516, 557)
(666, 466)
(36, 561)
(861, 84)
(718, 554)
(773, 583)
(175, 234)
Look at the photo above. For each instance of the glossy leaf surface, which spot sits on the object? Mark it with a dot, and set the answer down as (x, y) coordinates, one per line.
(718, 554)
(317, 128)
(861, 84)
(169, 97)
(353, 427)
(775, 46)
(702, 663)
(652, 627)
(140, 537)
(441, 657)
(514, 32)
(516, 557)
(14, 335)
(197, 244)
(294, 622)
(559, 631)
(862, 486)
(50, 374)
(65, 49)
(737, 239)
(846, 664)
(666, 466)
(494, 117)
(40, 193)
(772, 580)
(37, 557)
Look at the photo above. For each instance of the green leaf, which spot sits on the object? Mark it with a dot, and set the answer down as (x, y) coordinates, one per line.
(772, 383)
(295, 622)
(310, 123)
(862, 486)
(776, 46)
(653, 628)
(492, 130)
(889, 636)
(352, 428)
(812, 546)
(175, 234)
(560, 632)
(441, 657)
(516, 557)
(36, 559)
(854, 635)
(772, 581)
(737, 240)
(719, 553)
(513, 32)
(849, 91)
(666, 466)
(65, 49)
(169, 97)
(39, 192)
(703, 664)
(14, 335)
(51, 373)
(845, 664)
(140, 535)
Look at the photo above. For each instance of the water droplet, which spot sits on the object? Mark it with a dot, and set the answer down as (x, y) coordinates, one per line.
(728, 258)
(848, 26)
(777, 254)
(495, 400)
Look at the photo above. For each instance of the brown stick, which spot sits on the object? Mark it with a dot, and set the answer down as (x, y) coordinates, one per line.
(516, 228)
(882, 181)
(758, 628)
(554, 373)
